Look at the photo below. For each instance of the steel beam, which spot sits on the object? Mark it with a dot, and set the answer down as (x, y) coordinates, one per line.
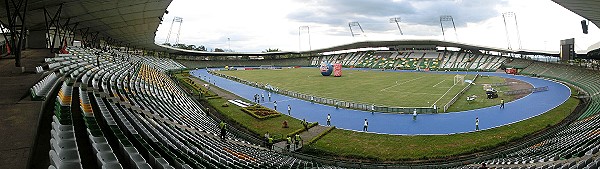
(15, 12)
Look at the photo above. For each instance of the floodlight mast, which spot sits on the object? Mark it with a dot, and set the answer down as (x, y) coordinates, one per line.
(514, 16)
(447, 18)
(175, 19)
(300, 28)
(355, 24)
(396, 20)
(179, 30)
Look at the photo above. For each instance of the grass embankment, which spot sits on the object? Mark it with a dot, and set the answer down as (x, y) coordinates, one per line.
(259, 126)
(185, 79)
(273, 125)
(379, 147)
(462, 104)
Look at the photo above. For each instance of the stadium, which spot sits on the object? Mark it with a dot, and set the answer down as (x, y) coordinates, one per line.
(85, 84)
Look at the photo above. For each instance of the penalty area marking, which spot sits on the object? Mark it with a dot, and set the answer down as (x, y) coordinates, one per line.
(439, 83)
(401, 83)
(443, 95)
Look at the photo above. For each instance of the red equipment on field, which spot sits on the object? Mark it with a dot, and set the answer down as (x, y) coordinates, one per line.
(511, 71)
(337, 70)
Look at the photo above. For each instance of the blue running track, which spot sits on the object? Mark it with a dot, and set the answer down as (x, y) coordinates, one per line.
(403, 124)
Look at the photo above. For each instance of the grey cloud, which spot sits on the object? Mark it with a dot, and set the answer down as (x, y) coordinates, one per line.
(374, 14)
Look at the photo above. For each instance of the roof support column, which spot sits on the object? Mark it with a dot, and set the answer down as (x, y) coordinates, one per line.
(84, 37)
(52, 27)
(15, 12)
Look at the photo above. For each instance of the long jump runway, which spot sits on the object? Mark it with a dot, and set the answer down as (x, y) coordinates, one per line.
(403, 124)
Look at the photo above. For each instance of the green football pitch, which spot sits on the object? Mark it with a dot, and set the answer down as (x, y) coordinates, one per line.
(392, 89)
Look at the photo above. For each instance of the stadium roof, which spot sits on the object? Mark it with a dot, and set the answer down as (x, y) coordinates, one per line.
(585, 8)
(438, 43)
(365, 44)
(132, 22)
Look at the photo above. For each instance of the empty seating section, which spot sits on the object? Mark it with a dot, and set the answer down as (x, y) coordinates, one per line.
(583, 78)
(575, 140)
(135, 116)
(581, 138)
(41, 89)
(517, 63)
(449, 60)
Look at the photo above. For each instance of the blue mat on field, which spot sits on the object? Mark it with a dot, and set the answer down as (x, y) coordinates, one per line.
(447, 123)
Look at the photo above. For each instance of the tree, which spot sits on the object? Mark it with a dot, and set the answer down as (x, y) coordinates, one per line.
(190, 47)
(272, 50)
(180, 46)
(219, 50)
(200, 48)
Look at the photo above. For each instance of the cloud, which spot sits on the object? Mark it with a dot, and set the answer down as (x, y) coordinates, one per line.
(374, 14)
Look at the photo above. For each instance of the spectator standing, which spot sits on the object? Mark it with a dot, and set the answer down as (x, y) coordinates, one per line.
(270, 143)
(305, 124)
(476, 123)
(415, 114)
(372, 108)
(297, 140)
(223, 127)
(501, 103)
(289, 142)
(267, 136)
(366, 126)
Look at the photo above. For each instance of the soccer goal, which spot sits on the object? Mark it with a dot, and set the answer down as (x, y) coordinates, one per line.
(266, 67)
(459, 79)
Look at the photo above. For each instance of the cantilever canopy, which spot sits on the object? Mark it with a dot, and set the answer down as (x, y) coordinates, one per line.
(585, 8)
(130, 22)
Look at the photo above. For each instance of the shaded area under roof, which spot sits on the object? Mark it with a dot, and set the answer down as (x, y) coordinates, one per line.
(130, 22)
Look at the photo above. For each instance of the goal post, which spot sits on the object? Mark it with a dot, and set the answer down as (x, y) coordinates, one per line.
(266, 67)
(459, 79)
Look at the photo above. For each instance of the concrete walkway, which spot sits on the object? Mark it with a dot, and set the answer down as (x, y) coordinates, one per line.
(19, 115)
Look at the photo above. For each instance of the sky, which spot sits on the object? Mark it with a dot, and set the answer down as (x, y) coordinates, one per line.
(253, 26)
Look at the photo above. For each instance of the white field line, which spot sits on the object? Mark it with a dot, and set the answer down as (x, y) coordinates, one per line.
(400, 83)
(443, 95)
(439, 83)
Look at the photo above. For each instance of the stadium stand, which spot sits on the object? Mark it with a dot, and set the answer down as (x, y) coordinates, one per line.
(410, 60)
(583, 78)
(132, 115)
(244, 63)
(570, 146)
(115, 116)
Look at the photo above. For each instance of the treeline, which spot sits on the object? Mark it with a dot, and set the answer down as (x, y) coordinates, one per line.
(196, 48)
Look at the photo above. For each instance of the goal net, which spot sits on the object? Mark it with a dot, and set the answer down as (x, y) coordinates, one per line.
(459, 80)
(266, 67)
